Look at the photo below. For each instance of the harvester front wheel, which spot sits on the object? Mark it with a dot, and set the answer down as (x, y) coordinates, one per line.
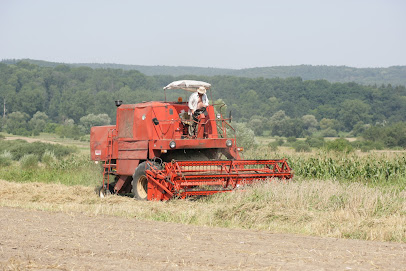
(140, 181)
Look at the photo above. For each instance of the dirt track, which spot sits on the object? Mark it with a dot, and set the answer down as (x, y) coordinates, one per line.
(58, 241)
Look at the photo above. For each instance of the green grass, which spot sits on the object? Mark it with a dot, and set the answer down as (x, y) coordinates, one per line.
(74, 170)
(18, 148)
(62, 164)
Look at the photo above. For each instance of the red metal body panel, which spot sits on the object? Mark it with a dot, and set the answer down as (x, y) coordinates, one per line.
(99, 142)
(128, 150)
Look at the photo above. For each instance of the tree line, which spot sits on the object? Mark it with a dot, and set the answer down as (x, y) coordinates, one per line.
(72, 99)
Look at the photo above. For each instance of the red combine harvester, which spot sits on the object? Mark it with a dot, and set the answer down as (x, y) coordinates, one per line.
(158, 151)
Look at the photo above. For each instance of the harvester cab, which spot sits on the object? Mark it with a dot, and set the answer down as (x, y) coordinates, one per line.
(159, 151)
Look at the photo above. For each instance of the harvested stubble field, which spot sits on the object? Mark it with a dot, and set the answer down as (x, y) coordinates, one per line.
(306, 224)
(53, 226)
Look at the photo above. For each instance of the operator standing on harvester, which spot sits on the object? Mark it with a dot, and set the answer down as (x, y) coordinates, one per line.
(165, 150)
(198, 102)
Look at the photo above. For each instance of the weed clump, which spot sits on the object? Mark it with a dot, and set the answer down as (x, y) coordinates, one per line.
(48, 158)
(6, 158)
(276, 144)
(29, 161)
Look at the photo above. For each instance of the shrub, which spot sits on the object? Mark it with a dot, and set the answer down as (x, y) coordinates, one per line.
(315, 142)
(50, 127)
(68, 131)
(392, 135)
(85, 138)
(7, 154)
(280, 141)
(2, 136)
(48, 158)
(291, 139)
(245, 136)
(20, 147)
(91, 120)
(16, 123)
(266, 133)
(329, 132)
(341, 145)
(301, 146)
(6, 158)
(273, 145)
(367, 145)
(21, 132)
(35, 133)
(29, 161)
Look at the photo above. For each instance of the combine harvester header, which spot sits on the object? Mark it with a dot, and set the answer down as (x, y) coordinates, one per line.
(185, 178)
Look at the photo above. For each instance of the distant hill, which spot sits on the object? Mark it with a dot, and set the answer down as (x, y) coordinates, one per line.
(395, 75)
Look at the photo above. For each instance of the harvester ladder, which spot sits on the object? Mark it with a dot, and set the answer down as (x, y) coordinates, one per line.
(107, 167)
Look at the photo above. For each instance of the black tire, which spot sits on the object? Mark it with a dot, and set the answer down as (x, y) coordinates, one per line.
(140, 181)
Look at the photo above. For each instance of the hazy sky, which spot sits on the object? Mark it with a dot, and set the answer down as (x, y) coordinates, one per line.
(206, 33)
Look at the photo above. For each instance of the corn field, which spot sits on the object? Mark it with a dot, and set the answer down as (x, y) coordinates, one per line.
(371, 168)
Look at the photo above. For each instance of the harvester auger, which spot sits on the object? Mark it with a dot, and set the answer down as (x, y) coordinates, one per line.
(158, 151)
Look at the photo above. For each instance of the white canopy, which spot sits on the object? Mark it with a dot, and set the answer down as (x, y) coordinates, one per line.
(189, 85)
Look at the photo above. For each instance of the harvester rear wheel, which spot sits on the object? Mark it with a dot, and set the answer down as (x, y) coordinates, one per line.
(140, 181)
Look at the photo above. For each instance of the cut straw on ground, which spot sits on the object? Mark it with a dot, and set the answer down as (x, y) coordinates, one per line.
(315, 207)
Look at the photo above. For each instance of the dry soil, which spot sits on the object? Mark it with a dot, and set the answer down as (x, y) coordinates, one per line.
(39, 240)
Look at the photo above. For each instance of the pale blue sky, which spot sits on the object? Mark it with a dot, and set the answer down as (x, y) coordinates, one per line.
(207, 33)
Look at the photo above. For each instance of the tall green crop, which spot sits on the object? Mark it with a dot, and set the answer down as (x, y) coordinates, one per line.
(372, 168)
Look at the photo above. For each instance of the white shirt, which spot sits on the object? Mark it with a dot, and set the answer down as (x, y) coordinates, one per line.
(194, 99)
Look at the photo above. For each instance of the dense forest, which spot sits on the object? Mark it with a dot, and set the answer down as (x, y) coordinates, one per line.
(37, 98)
(395, 75)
